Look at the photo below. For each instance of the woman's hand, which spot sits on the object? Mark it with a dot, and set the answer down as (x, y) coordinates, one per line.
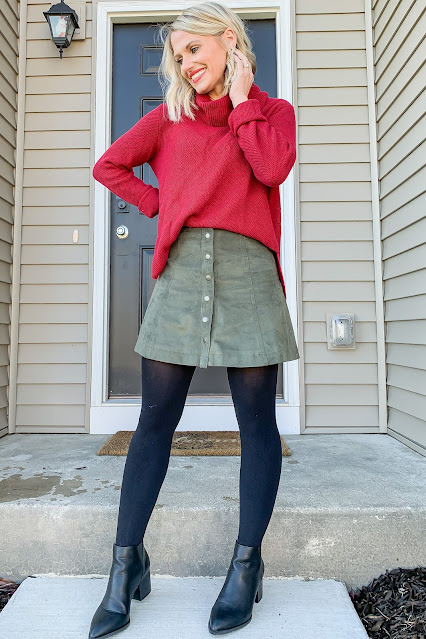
(241, 85)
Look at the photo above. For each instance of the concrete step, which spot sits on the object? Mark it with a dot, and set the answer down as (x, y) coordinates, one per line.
(348, 508)
(53, 607)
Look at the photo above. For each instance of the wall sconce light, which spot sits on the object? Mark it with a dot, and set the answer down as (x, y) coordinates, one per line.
(63, 21)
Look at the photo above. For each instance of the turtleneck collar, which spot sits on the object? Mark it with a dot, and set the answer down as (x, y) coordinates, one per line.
(216, 112)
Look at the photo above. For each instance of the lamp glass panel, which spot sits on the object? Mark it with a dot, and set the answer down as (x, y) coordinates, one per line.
(71, 29)
(59, 25)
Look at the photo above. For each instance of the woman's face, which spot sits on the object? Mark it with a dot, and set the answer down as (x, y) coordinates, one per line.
(195, 53)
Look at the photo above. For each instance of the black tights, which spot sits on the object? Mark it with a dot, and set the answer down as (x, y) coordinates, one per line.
(164, 391)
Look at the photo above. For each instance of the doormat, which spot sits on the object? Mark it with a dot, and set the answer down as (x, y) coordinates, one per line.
(188, 442)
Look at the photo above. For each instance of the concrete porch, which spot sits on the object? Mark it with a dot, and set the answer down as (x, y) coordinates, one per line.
(348, 508)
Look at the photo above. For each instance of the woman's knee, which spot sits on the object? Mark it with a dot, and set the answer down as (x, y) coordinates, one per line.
(159, 418)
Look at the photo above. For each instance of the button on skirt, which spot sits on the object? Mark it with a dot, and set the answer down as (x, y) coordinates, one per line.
(218, 302)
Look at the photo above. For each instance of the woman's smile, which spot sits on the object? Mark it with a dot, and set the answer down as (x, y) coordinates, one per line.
(198, 75)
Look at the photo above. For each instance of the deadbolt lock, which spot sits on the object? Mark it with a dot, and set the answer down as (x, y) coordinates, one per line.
(120, 205)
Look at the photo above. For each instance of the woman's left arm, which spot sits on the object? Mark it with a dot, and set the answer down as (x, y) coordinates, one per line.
(268, 144)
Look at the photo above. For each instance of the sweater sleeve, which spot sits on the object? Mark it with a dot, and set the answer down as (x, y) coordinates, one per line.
(114, 169)
(268, 144)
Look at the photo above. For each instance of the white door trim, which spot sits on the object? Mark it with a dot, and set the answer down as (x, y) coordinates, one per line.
(108, 416)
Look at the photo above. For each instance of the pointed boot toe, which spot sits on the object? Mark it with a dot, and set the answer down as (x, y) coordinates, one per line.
(224, 619)
(107, 624)
(129, 579)
(243, 586)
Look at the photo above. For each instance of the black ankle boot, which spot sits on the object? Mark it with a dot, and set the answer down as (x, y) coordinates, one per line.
(242, 587)
(129, 579)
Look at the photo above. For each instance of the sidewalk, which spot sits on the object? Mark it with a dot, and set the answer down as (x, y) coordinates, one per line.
(53, 608)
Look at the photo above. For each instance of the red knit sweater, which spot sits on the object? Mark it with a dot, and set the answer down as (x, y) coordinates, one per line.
(220, 171)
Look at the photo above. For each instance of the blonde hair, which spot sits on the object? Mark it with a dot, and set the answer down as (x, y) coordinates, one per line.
(207, 18)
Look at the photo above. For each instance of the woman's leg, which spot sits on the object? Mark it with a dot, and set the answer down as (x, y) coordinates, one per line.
(164, 391)
(253, 392)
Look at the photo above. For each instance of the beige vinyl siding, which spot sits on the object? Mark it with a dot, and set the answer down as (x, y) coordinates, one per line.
(333, 202)
(400, 53)
(335, 209)
(9, 34)
(53, 356)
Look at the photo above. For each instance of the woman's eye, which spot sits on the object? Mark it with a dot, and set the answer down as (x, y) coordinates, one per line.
(191, 49)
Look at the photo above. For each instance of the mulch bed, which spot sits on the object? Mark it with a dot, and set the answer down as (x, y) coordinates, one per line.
(7, 588)
(392, 606)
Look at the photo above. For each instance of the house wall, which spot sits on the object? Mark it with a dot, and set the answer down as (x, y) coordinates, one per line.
(333, 202)
(335, 210)
(399, 55)
(9, 21)
(52, 368)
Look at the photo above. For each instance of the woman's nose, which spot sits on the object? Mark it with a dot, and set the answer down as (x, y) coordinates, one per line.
(185, 67)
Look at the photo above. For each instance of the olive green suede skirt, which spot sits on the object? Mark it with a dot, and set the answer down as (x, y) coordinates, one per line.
(218, 302)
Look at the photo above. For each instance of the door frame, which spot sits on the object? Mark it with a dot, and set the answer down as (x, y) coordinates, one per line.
(106, 415)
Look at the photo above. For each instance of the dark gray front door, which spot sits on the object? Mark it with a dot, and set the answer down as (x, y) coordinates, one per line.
(136, 91)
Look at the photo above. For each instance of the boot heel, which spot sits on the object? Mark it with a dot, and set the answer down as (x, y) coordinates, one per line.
(144, 587)
(259, 592)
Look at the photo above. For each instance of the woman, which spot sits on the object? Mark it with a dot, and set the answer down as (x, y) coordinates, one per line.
(220, 147)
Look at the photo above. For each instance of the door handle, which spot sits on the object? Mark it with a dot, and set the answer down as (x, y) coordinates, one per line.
(122, 232)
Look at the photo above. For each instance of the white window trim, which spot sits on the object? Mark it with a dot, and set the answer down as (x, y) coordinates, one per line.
(106, 415)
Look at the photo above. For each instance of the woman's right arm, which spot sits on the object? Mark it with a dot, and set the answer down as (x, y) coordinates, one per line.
(114, 169)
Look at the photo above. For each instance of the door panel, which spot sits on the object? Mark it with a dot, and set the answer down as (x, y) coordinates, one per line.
(136, 91)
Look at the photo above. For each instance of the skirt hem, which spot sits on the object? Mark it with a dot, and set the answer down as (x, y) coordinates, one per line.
(215, 359)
